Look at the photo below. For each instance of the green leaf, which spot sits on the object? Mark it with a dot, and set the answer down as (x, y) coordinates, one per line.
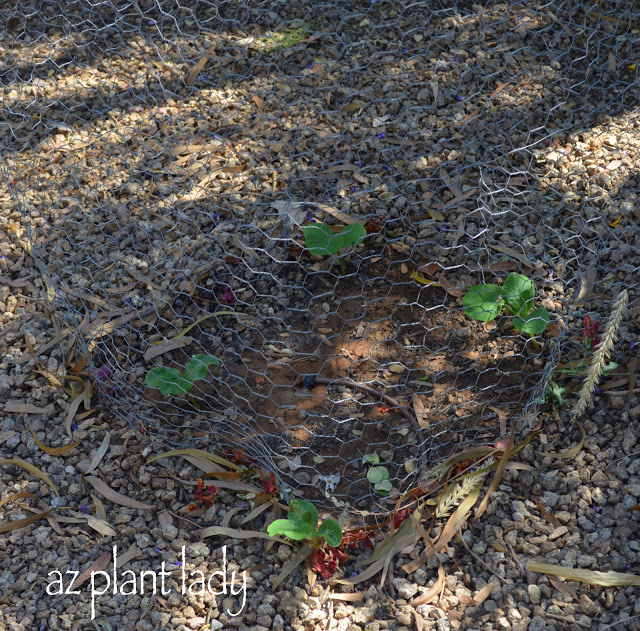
(316, 238)
(371, 459)
(296, 530)
(518, 292)
(321, 241)
(169, 380)
(349, 237)
(331, 531)
(303, 511)
(535, 323)
(383, 487)
(197, 368)
(483, 302)
(377, 474)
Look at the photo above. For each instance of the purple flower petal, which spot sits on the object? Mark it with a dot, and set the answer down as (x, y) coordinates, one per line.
(382, 134)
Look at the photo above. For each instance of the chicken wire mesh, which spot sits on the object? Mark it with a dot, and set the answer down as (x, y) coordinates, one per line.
(165, 158)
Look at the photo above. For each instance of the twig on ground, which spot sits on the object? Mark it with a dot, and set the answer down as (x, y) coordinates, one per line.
(481, 562)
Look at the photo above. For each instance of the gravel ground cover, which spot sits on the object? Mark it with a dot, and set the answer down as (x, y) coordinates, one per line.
(158, 166)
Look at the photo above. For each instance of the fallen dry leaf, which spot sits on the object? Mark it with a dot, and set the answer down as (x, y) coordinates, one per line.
(31, 469)
(53, 451)
(27, 408)
(97, 566)
(106, 491)
(21, 523)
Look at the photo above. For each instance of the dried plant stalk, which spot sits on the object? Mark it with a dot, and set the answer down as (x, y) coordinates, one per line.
(601, 354)
(463, 488)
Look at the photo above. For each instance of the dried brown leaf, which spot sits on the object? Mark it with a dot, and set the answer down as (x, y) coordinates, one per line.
(73, 408)
(102, 450)
(497, 477)
(21, 523)
(421, 412)
(350, 598)
(482, 594)
(16, 496)
(17, 407)
(197, 68)
(54, 451)
(292, 564)
(563, 587)
(97, 566)
(6, 435)
(168, 345)
(117, 498)
(31, 469)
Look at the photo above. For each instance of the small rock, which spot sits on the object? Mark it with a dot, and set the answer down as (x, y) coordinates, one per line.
(534, 594)
(406, 589)
(537, 624)
(169, 532)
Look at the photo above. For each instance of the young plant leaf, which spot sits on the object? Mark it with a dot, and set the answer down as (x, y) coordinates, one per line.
(535, 323)
(384, 487)
(371, 459)
(303, 511)
(518, 292)
(168, 380)
(296, 530)
(198, 367)
(321, 241)
(483, 302)
(331, 531)
(376, 475)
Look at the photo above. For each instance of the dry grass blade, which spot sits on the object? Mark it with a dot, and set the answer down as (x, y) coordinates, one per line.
(455, 523)
(31, 469)
(228, 516)
(21, 523)
(212, 531)
(370, 572)
(198, 453)
(54, 451)
(437, 588)
(497, 477)
(433, 592)
(291, 565)
(106, 491)
(258, 510)
(573, 451)
(607, 579)
(102, 450)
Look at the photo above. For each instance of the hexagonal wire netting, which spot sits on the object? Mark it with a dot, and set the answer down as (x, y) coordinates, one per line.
(168, 158)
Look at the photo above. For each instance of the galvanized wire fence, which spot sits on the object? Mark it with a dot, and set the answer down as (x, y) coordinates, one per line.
(167, 158)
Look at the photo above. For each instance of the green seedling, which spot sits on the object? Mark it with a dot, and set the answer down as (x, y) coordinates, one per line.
(322, 241)
(302, 524)
(172, 381)
(378, 476)
(554, 394)
(485, 302)
(287, 39)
